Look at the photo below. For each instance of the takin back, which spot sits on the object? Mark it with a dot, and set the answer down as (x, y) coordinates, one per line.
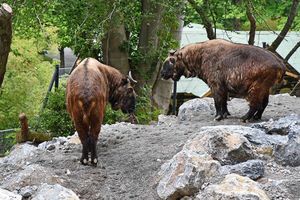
(226, 67)
(89, 88)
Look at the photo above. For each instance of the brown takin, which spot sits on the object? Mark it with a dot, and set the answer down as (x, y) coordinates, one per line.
(226, 67)
(89, 88)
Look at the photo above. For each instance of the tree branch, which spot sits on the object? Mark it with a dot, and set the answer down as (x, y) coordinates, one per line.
(292, 51)
(287, 26)
(205, 20)
(252, 20)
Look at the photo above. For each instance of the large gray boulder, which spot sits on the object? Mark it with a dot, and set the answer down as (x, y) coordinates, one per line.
(31, 175)
(184, 174)
(253, 169)
(225, 144)
(286, 151)
(20, 155)
(7, 195)
(233, 187)
(196, 109)
(289, 153)
(54, 192)
(282, 126)
(199, 161)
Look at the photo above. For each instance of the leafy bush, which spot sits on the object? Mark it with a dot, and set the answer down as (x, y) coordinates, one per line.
(8, 140)
(25, 83)
(112, 116)
(145, 112)
(55, 118)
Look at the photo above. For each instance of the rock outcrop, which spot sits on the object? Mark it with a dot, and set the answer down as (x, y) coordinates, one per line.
(239, 153)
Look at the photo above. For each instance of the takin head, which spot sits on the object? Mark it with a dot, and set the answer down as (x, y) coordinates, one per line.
(124, 97)
(172, 66)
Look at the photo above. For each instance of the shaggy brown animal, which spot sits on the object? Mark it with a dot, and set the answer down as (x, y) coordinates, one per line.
(242, 70)
(89, 88)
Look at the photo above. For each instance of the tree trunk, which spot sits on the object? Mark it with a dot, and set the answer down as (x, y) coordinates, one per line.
(148, 42)
(5, 37)
(252, 20)
(62, 57)
(287, 26)
(201, 10)
(113, 55)
(292, 51)
(162, 89)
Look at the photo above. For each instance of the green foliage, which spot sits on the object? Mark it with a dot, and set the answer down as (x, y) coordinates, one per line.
(112, 116)
(166, 14)
(55, 118)
(25, 83)
(145, 112)
(231, 14)
(7, 141)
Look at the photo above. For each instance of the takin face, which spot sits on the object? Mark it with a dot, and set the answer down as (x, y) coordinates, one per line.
(125, 97)
(172, 67)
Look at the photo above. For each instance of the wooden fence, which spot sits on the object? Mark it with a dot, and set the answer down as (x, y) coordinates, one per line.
(6, 140)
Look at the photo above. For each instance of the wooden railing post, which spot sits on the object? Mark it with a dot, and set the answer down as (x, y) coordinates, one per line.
(55, 79)
(174, 97)
(24, 127)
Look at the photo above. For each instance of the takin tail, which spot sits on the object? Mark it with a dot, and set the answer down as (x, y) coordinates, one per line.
(86, 110)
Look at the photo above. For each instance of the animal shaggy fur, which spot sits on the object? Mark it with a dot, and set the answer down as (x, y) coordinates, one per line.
(242, 70)
(89, 88)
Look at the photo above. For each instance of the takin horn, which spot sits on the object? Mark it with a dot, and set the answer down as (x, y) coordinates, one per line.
(172, 52)
(130, 77)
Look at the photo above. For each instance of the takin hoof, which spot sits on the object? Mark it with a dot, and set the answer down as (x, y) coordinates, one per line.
(227, 114)
(245, 118)
(218, 118)
(84, 161)
(256, 117)
(94, 162)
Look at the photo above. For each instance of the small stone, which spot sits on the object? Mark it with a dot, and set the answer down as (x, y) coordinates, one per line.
(68, 172)
(50, 147)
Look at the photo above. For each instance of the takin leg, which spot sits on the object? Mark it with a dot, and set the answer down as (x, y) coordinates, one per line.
(252, 110)
(84, 138)
(95, 130)
(220, 99)
(225, 109)
(257, 103)
(96, 121)
(260, 111)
